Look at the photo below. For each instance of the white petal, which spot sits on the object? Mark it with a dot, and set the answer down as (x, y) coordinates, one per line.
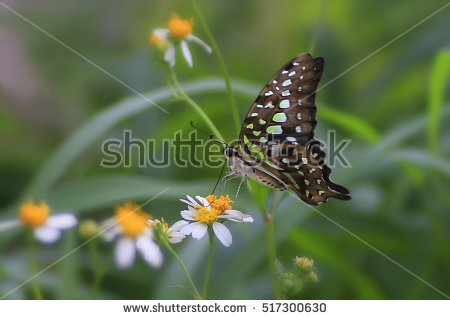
(235, 215)
(186, 52)
(150, 251)
(161, 33)
(203, 44)
(193, 202)
(222, 233)
(124, 252)
(203, 201)
(176, 237)
(111, 233)
(177, 226)
(186, 202)
(62, 221)
(169, 56)
(46, 234)
(197, 230)
(9, 224)
(186, 214)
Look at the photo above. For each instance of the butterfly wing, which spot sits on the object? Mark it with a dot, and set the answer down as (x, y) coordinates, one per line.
(279, 131)
(285, 109)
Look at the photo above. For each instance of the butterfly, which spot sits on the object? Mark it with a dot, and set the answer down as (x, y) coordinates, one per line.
(276, 145)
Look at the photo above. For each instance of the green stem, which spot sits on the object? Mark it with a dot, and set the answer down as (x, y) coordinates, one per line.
(186, 272)
(33, 266)
(318, 25)
(193, 104)
(226, 76)
(98, 270)
(209, 266)
(272, 253)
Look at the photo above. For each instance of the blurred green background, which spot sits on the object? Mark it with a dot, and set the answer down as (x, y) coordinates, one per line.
(56, 110)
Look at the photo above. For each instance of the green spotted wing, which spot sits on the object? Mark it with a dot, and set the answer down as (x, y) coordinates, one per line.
(279, 131)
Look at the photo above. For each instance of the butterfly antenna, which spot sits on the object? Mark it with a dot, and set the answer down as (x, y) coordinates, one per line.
(220, 176)
(206, 133)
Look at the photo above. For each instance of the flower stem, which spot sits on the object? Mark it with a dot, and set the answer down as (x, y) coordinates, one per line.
(193, 104)
(272, 253)
(209, 266)
(186, 272)
(99, 271)
(226, 76)
(33, 266)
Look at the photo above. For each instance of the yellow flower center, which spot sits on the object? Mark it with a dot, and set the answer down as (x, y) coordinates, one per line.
(164, 225)
(180, 28)
(34, 215)
(132, 219)
(155, 40)
(209, 215)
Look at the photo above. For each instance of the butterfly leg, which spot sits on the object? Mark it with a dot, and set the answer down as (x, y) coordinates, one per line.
(229, 176)
(244, 179)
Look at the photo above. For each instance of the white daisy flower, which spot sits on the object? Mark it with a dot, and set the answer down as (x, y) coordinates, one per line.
(179, 30)
(173, 233)
(46, 228)
(129, 226)
(211, 212)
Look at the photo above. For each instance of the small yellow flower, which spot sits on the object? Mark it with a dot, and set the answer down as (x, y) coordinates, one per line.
(34, 215)
(132, 219)
(46, 227)
(179, 31)
(155, 40)
(304, 263)
(180, 28)
(158, 39)
(130, 226)
(210, 212)
(173, 232)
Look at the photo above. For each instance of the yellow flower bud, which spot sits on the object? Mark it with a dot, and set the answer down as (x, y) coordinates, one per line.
(88, 229)
(304, 263)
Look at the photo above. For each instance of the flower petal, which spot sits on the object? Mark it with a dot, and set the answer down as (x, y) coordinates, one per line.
(197, 230)
(150, 251)
(9, 224)
(186, 53)
(186, 214)
(205, 203)
(193, 202)
(161, 33)
(223, 234)
(235, 215)
(111, 233)
(46, 234)
(177, 226)
(176, 237)
(169, 55)
(62, 221)
(124, 252)
(200, 42)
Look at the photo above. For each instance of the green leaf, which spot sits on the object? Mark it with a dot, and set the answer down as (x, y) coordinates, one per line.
(98, 125)
(98, 192)
(259, 193)
(349, 122)
(440, 74)
(424, 159)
